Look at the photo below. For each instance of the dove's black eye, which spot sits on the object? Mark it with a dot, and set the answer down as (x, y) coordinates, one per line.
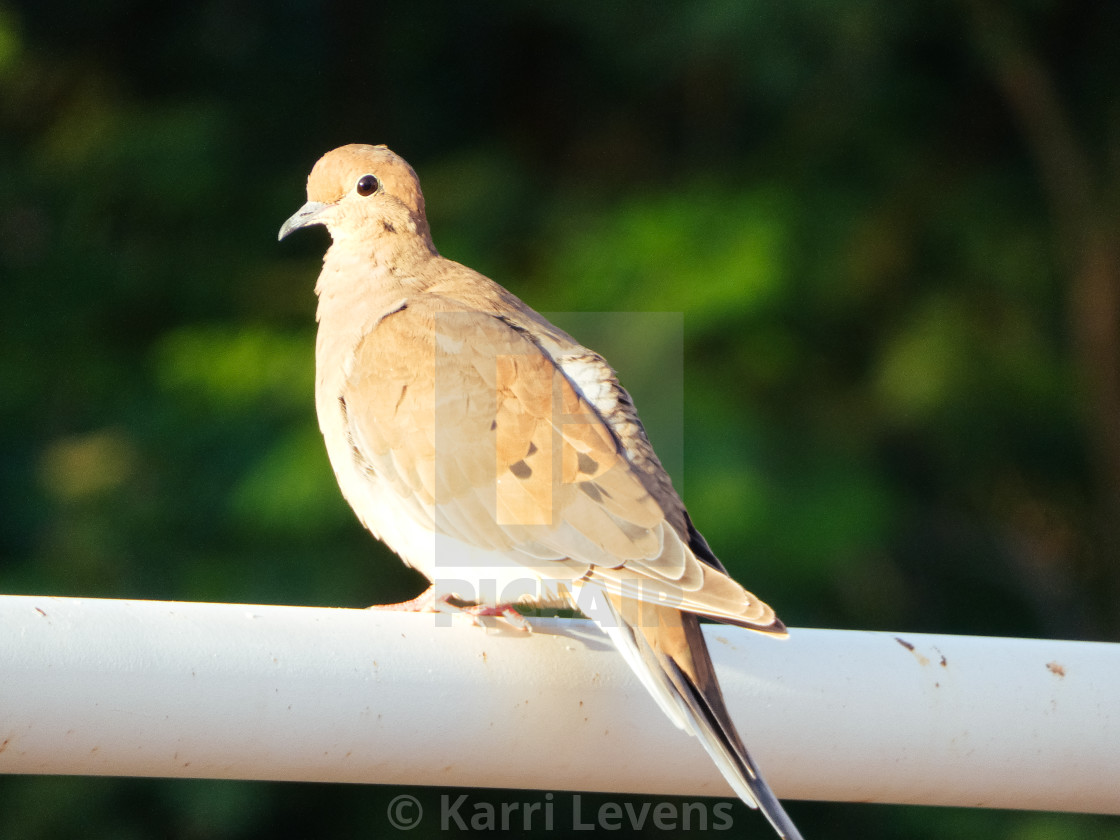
(368, 185)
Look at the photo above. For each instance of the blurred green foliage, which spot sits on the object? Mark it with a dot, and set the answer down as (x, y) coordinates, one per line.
(891, 229)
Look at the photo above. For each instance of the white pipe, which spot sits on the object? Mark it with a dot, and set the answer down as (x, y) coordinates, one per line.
(143, 688)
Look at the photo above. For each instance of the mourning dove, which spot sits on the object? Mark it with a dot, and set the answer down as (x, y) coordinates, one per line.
(502, 459)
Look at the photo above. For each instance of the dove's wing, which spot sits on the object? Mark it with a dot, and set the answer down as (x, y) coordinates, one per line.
(485, 439)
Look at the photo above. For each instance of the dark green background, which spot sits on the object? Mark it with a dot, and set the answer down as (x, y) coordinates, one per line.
(891, 228)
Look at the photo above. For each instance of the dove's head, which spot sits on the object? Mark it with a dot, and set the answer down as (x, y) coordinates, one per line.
(361, 190)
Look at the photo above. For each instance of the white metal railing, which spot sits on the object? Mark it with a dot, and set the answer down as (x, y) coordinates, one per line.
(234, 691)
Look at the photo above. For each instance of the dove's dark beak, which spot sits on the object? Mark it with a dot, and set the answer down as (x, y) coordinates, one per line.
(308, 214)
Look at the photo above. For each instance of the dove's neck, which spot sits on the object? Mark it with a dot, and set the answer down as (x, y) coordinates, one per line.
(355, 291)
(375, 253)
(400, 241)
(367, 276)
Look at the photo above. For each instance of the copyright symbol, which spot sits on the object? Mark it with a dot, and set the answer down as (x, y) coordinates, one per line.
(405, 812)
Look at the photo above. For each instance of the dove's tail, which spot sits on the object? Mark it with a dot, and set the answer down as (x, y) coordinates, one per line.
(666, 649)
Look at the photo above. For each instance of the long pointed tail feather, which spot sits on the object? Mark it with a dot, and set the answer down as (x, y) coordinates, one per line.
(667, 651)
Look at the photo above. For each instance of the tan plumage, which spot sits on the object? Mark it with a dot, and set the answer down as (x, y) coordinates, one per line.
(501, 458)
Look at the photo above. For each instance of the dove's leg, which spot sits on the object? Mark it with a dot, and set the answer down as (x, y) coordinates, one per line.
(426, 601)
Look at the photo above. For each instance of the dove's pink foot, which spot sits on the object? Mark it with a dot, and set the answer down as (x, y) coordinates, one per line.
(428, 601)
(506, 611)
